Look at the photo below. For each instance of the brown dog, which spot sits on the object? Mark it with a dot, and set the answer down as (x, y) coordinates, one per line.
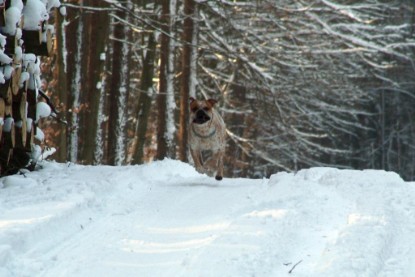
(207, 132)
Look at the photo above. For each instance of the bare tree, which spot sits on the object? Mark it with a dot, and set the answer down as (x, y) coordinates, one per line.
(320, 83)
(309, 72)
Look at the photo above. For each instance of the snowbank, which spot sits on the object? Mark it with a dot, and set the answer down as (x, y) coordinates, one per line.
(165, 219)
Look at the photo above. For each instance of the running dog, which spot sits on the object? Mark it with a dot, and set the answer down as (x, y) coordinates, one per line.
(207, 132)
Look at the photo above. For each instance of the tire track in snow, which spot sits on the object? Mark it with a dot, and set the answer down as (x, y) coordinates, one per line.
(401, 206)
(132, 237)
(55, 215)
(179, 223)
(368, 242)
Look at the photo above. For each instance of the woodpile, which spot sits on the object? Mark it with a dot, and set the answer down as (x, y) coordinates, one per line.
(25, 35)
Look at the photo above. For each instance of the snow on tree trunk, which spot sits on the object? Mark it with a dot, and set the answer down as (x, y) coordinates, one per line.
(119, 91)
(165, 99)
(144, 102)
(193, 56)
(75, 91)
(99, 145)
(171, 104)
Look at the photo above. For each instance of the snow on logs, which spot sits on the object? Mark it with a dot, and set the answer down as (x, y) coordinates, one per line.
(24, 35)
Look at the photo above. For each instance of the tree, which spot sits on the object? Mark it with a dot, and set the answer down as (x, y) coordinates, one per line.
(188, 71)
(165, 99)
(75, 45)
(300, 84)
(96, 37)
(144, 102)
(60, 93)
(309, 72)
(119, 91)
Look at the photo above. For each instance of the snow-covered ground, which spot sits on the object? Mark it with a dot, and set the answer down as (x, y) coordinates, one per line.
(165, 219)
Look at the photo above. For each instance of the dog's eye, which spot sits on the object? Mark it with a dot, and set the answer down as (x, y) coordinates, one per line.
(206, 109)
(194, 109)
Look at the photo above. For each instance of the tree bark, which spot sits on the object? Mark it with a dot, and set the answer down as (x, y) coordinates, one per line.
(119, 92)
(144, 103)
(96, 38)
(75, 43)
(186, 80)
(61, 89)
(165, 98)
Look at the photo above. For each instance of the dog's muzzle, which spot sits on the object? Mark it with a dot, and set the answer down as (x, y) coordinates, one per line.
(201, 117)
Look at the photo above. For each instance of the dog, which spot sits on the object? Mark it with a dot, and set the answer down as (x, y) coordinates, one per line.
(207, 132)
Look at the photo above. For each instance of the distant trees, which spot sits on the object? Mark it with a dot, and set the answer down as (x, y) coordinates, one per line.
(310, 75)
(300, 83)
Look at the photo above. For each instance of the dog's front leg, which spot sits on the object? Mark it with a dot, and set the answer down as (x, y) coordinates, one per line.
(197, 159)
(219, 175)
(216, 164)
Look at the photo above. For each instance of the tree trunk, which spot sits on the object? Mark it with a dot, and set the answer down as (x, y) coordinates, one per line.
(96, 38)
(165, 98)
(119, 92)
(75, 40)
(62, 89)
(186, 77)
(144, 103)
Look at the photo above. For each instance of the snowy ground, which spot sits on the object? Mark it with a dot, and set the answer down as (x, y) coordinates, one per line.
(164, 219)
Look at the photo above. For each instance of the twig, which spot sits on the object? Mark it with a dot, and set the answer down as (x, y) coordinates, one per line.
(291, 270)
(48, 101)
(287, 264)
(55, 114)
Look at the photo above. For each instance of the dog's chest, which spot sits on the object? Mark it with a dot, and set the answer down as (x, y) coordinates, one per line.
(206, 137)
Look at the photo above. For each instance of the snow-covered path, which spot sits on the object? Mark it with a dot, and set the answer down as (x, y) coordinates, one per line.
(164, 219)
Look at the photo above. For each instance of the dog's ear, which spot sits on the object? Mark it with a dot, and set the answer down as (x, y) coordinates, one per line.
(193, 104)
(212, 102)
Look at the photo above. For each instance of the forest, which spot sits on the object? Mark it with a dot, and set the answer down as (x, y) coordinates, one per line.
(299, 83)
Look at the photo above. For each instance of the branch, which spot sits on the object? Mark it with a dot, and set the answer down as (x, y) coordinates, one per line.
(291, 270)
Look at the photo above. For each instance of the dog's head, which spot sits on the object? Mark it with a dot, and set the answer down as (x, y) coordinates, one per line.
(201, 110)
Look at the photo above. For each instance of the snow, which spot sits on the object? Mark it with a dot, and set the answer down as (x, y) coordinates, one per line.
(25, 76)
(13, 15)
(18, 53)
(8, 124)
(50, 4)
(29, 123)
(7, 71)
(165, 219)
(62, 11)
(40, 136)
(32, 65)
(4, 59)
(34, 13)
(42, 110)
(3, 41)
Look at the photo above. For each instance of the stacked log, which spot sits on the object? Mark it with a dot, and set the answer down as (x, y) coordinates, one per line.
(25, 35)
